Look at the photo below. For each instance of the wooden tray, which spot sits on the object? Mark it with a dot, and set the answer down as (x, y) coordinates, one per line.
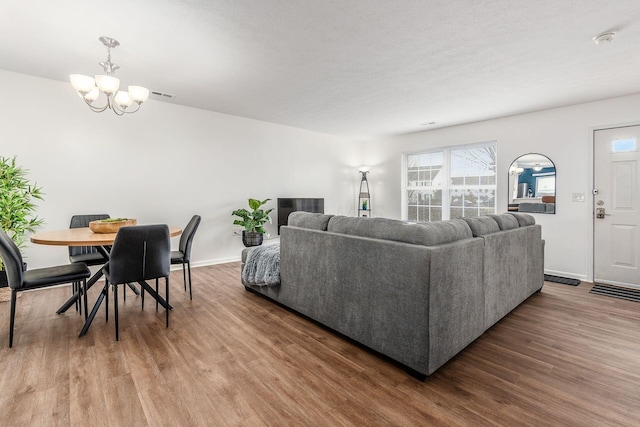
(103, 227)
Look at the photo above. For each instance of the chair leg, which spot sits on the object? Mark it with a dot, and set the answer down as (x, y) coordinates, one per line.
(167, 292)
(189, 268)
(142, 295)
(156, 293)
(106, 299)
(13, 316)
(124, 293)
(115, 307)
(74, 288)
(184, 277)
(80, 289)
(84, 294)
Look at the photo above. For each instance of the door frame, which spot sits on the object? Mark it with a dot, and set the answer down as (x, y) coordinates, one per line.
(590, 196)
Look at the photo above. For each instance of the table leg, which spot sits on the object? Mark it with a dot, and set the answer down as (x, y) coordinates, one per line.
(76, 295)
(134, 289)
(96, 306)
(154, 294)
(101, 297)
(104, 250)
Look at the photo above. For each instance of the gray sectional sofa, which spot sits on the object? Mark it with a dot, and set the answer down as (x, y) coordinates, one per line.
(417, 293)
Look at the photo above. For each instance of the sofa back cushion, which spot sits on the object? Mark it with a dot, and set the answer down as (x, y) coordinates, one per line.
(506, 221)
(314, 221)
(427, 234)
(523, 219)
(482, 225)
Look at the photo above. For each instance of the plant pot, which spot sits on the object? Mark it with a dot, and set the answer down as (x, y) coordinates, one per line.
(251, 238)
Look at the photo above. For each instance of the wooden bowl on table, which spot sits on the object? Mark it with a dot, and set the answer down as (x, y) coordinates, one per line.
(110, 225)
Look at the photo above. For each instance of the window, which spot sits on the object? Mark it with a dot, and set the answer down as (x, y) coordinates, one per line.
(545, 185)
(447, 183)
(624, 145)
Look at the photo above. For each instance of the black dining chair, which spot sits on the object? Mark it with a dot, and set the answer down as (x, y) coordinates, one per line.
(86, 254)
(183, 254)
(20, 280)
(139, 253)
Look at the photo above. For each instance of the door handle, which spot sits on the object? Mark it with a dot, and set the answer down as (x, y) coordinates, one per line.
(600, 213)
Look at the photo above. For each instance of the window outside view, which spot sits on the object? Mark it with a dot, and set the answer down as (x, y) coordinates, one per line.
(450, 183)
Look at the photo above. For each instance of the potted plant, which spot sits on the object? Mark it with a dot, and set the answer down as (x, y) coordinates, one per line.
(17, 210)
(253, 222)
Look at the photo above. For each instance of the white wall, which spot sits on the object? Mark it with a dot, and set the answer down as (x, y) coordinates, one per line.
(168, 162)
(164, 164)
(564, 135)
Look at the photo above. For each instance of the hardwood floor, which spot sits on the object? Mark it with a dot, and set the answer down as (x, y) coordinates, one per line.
(231, 357)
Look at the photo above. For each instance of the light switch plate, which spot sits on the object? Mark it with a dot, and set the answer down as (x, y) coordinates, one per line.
(577, 197)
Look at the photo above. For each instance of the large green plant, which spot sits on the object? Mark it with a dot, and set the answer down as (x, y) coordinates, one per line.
(17, 210)
(255, 219)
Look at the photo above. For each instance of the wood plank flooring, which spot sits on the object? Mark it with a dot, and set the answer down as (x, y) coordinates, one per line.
(230, 357)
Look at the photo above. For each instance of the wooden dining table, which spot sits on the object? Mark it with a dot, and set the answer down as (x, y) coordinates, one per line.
(83, 236)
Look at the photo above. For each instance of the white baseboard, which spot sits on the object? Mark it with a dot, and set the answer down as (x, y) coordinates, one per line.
(204, 263)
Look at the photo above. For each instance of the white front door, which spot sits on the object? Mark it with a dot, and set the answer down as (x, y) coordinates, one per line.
(617, 206)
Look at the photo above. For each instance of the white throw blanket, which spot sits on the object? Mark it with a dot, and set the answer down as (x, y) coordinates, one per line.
(262, 267)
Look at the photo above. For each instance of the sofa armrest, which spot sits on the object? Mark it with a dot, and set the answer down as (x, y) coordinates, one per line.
(456, 299)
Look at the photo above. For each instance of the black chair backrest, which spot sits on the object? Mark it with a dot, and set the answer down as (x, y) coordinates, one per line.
(79, 221)
(11, 260)
(187, 236)
(140, 252)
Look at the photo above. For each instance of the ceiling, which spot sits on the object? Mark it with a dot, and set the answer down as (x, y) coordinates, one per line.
(354, 68)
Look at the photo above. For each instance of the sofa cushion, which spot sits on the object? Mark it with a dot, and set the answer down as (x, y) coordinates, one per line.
(440, 232)
(482, 225)
(314, 221)
(523, 219)
(506, 221)
(532, 207)
(427, 234)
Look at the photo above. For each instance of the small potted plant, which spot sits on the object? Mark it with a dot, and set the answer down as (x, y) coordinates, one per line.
(17, 210)
(253, 222)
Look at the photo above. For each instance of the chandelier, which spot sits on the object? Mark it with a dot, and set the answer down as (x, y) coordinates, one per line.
(118, 101)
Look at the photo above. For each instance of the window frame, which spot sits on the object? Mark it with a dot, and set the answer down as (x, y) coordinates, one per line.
(446, 169)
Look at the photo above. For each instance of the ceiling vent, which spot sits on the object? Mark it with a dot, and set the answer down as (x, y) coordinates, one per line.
(162, 95)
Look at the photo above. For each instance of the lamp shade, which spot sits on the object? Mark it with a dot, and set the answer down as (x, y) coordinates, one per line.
(93, 95)
(122, 99)
(138, 93)
(107, 84)
(83, 84)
